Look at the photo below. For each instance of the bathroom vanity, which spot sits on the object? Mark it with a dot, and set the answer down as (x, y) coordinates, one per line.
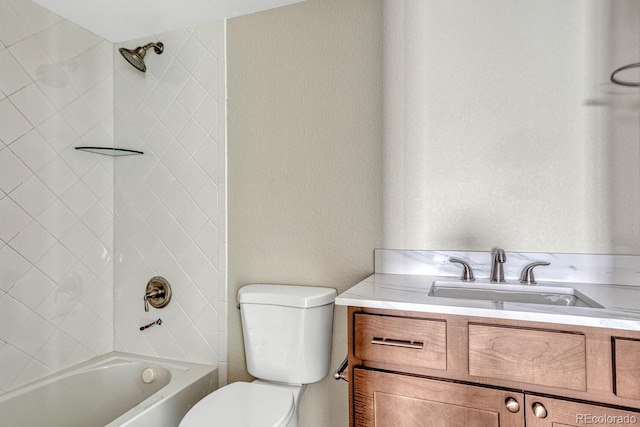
(418, 359)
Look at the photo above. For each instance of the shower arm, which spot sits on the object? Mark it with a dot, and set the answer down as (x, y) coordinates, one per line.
(157, 47)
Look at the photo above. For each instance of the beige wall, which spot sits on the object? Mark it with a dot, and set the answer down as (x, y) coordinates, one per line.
(503, 129)
(304, 162)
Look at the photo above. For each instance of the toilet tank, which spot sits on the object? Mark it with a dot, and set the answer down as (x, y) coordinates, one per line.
(287, 331)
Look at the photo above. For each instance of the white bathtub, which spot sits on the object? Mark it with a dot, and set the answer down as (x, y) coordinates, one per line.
(110, 391)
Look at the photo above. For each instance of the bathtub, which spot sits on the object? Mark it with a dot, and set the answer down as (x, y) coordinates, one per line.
(116, 389)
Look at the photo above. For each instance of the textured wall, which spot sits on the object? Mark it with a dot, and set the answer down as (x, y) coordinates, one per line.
(502, 128)
(305, 165)
(56, 203)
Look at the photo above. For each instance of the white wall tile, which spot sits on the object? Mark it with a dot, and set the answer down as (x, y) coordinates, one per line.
(32, 288)
(57, 219)
(192, 94)
(13, 76)
(13, 124)
(12, 28)
(12, 314)
(32, 57)
(33, 196)
(56, 43)
(59, 80)
(58, 133)
(203, 72)
(32, 242)
(80, 39)
(42, 177)
(79, 198)
(33, 104)
(13, 267)
(14, 219)
(32, 334)
(35, 17)
(57, 262)
(57, 176)
(33, 150)
(14, 358)
(79, 116)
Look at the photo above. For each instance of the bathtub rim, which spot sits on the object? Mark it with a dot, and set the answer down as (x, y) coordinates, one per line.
(182, 375)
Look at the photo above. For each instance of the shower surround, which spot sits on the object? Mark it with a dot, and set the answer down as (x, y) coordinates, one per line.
(63, 226)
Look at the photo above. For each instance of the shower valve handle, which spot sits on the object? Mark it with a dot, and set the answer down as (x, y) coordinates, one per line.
(157, 293)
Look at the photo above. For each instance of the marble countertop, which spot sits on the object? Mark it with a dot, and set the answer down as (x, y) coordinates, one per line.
(411, 292)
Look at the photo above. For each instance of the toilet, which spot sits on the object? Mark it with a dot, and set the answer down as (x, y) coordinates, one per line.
(287, 338)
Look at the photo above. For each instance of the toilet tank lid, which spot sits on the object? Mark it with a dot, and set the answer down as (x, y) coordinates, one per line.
(287, 295)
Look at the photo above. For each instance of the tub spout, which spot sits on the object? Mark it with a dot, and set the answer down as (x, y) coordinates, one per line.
(157, 322)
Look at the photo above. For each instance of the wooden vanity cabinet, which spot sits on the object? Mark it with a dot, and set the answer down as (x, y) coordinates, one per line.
(543, 411)
(383, 399)
(427, 369)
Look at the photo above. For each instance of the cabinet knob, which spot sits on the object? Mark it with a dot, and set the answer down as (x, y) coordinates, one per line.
(539, 410)
(512, 405)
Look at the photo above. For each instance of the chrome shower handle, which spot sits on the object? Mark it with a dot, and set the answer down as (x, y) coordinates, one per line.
(157, 293)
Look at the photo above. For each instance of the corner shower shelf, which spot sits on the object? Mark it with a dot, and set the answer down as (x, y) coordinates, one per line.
(110, 151)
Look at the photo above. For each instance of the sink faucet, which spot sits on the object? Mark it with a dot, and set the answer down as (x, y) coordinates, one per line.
(497, 269)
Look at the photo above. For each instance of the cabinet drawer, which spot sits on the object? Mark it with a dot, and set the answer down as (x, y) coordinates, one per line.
(534, 356)
(401, 340)
(626, 362)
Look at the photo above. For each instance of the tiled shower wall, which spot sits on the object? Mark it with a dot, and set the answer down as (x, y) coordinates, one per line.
(56, 203)
(170, 202)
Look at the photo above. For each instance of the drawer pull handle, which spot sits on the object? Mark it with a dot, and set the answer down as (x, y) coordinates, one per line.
(418, 345)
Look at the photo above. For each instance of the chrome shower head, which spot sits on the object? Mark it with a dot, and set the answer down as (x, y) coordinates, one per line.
(135, 57)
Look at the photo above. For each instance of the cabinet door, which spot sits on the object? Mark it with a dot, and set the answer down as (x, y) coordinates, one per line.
(548, 412)
(383, 399)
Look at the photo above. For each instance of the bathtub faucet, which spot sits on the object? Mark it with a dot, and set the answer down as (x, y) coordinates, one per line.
(157, 322)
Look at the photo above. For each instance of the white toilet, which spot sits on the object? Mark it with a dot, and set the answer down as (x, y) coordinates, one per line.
(287, 338)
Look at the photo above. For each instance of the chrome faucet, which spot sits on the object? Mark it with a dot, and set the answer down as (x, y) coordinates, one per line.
(497, 269)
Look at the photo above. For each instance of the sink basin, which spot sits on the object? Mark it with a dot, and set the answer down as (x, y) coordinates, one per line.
(547, 295)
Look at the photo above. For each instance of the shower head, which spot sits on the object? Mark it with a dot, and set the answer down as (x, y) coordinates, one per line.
(135, 57)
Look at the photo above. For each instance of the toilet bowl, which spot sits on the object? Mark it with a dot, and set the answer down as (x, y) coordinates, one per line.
(244, 404)
(287, 333)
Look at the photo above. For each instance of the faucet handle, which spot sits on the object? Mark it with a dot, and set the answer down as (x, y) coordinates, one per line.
(467, 272)
(527, 272)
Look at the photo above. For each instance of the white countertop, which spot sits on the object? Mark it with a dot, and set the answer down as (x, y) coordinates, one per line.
(411, 292)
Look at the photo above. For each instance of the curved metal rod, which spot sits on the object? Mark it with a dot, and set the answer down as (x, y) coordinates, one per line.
(622, 82)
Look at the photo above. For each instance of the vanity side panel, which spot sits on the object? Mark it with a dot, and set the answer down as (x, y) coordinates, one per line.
(353, 360)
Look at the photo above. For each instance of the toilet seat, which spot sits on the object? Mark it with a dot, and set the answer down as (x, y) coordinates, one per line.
(243, 404)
